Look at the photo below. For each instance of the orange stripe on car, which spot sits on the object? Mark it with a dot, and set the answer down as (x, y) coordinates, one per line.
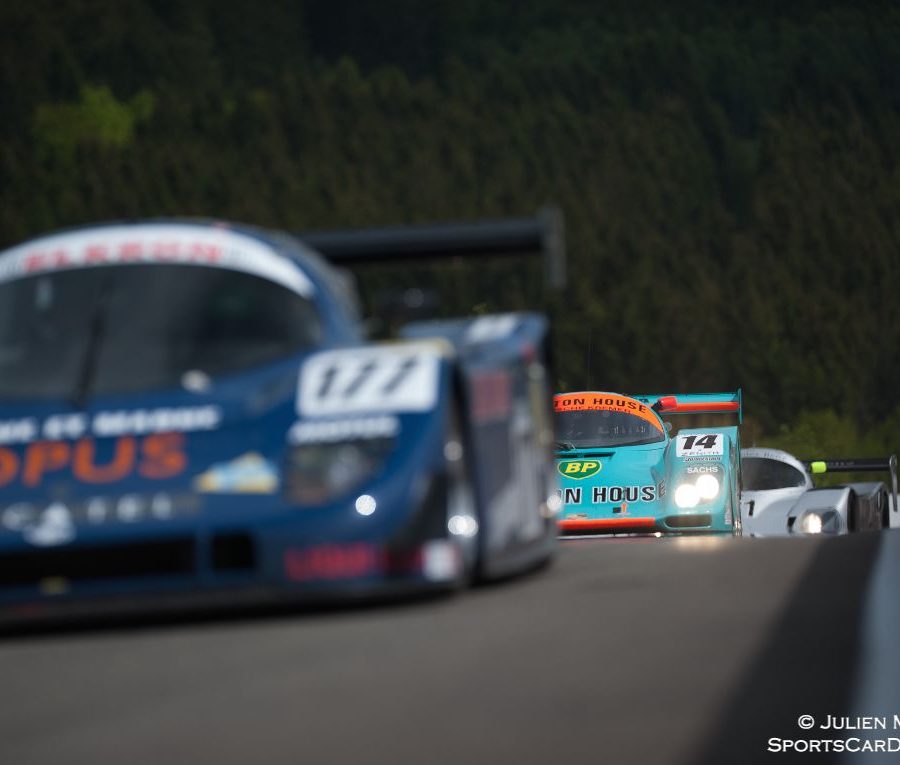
(603, 524)
(609, 402)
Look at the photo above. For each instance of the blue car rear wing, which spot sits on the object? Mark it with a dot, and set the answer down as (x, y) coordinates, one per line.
(696, 403)
(544, 234)
(858, 465)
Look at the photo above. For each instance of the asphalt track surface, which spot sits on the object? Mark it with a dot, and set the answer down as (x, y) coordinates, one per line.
(690, 650)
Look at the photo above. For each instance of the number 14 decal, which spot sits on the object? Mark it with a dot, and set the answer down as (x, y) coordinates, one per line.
(699, 444)
(707, 442)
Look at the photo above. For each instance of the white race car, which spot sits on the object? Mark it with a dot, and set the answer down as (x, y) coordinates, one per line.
(779, 497)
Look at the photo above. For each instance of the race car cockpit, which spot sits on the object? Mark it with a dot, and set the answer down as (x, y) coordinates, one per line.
(766, 474)
(587, 428)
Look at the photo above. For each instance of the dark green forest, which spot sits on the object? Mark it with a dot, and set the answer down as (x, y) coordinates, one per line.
(729, 171)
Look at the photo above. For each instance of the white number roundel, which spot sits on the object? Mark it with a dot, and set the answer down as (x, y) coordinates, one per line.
(392, 378)
(699, 445)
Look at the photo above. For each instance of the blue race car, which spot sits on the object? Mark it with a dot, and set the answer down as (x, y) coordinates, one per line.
(190, 413)
(623, 472)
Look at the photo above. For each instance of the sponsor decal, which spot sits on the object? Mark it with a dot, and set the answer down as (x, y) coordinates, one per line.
(703, 469)
(55, 527)
(576, 402)
(572, 496)
(699, 445)
(249, 474)
(110, 424)
(333, 431)
(579, 469)
(176, 420)
(491, 396)
(18, 431)
(389, 378)
(332, 562)
(56, 523)
(155, 457)
(437, 560)
(601, 495)
(610, 402)
(171, 244)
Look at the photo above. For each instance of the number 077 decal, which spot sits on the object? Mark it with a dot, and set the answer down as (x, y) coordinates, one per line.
(402, 378)
(699, 445)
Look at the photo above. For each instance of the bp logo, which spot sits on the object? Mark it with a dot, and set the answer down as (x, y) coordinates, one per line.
(579, 468)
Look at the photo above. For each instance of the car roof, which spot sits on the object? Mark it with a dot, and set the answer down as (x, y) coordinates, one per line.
(778, 455)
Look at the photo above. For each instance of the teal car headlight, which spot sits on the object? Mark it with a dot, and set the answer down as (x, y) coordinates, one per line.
(318, 473)
(691, 493)
(686, 495)
(708, 486)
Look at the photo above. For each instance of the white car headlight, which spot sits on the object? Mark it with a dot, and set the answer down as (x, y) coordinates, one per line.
(708, 486)
(811, 523)
(687, 495)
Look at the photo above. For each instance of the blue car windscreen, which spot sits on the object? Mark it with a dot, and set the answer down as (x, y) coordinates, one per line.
(130, 328)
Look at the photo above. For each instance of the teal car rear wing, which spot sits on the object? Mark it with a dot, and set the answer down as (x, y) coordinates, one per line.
(696, 403)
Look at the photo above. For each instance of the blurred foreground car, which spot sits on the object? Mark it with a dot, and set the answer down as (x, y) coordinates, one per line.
(780, 498)
(622, 470)
(189, 413)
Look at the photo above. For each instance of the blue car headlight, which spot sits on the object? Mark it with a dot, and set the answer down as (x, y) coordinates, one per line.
(318, 473)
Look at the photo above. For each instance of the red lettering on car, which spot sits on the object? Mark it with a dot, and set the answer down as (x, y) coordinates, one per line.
(9, 466)
(43, 457)
(162, 456)
(122, 463)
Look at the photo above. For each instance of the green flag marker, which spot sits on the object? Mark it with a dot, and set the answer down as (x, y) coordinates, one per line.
(818, 467)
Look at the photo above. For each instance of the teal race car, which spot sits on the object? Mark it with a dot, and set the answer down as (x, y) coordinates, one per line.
(622, 470)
